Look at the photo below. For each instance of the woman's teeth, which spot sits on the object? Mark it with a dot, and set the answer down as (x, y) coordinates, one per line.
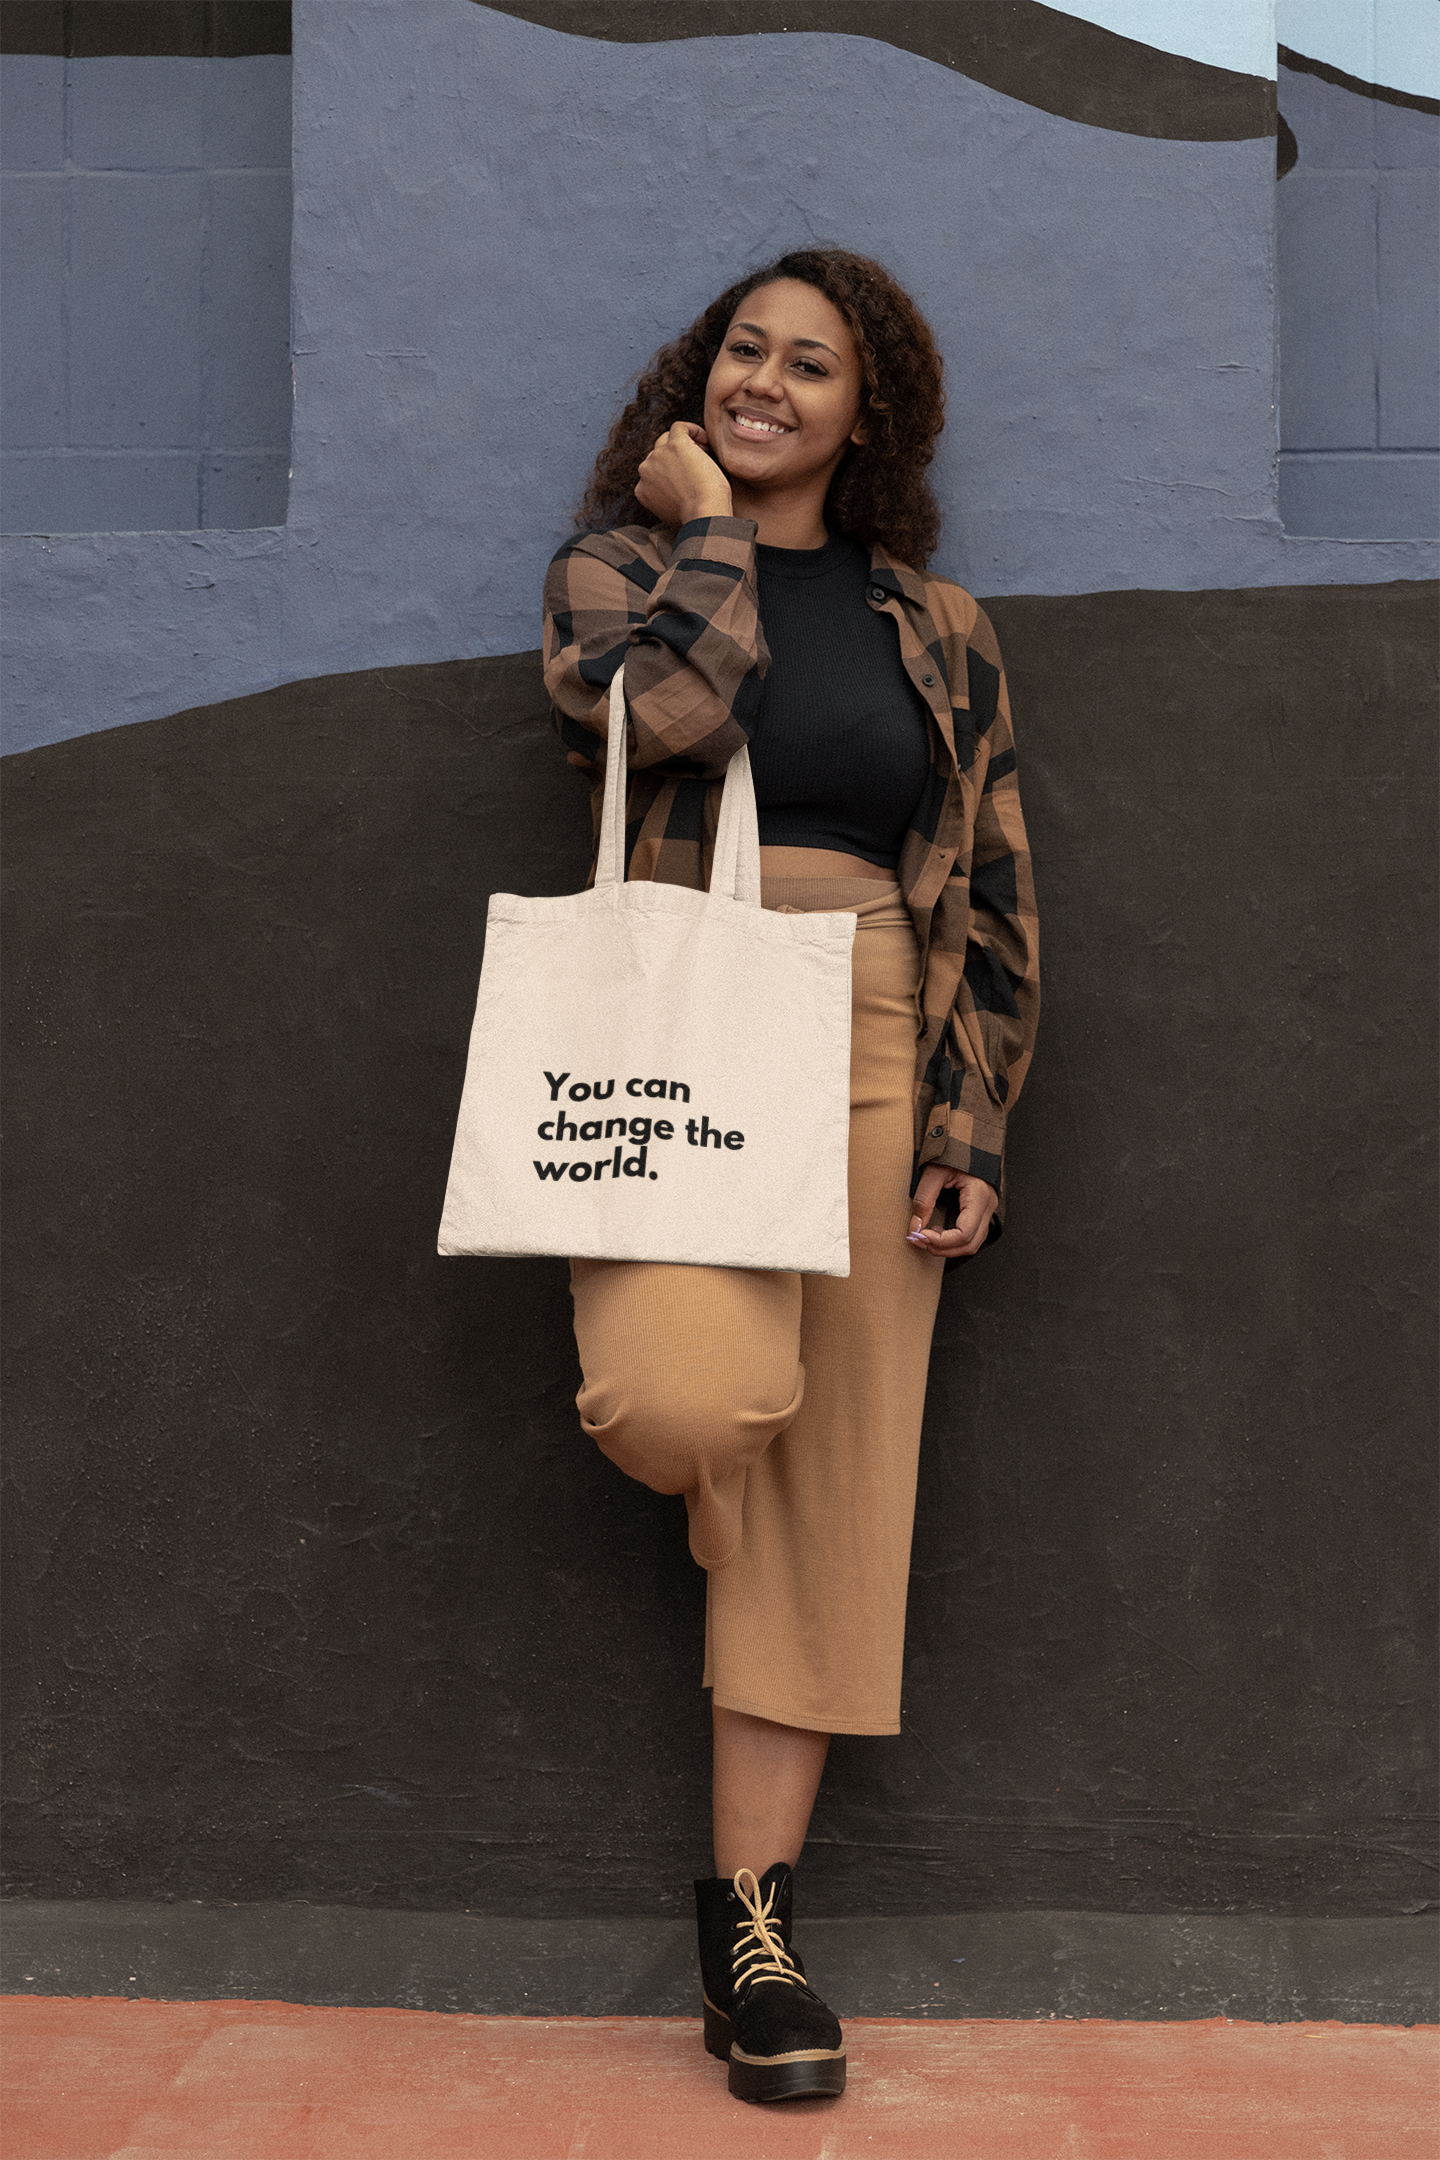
(758, 427)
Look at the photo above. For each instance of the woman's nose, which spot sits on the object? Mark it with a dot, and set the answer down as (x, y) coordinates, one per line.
(764, 379)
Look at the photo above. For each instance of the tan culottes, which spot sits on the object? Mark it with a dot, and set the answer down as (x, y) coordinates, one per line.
(787, 1408)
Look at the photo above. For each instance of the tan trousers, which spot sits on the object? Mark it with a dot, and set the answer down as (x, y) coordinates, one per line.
(787, 1408)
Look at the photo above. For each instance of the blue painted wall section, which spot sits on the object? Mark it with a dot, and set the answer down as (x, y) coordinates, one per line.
(466, 312)
(145, 288)
(1359, 314)
(1109, 364)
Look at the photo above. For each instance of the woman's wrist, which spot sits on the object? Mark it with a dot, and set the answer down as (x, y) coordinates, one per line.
(711, 503)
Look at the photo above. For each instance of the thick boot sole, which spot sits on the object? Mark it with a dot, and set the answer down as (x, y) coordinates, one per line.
(807, 2077)
(718, 2030)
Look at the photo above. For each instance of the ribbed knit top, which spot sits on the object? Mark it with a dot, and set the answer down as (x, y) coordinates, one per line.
(840, 750)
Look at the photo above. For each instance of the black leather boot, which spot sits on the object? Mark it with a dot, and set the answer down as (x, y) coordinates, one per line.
(779, 2038)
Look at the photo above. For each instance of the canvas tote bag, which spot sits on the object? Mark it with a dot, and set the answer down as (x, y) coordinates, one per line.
(656, 1073)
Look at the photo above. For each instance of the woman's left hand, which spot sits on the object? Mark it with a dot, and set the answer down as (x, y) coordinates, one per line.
(978, 1202)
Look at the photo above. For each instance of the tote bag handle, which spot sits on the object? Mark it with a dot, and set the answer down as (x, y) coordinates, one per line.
(735, 870)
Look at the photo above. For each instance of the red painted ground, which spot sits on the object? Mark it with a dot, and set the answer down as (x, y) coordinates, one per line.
(112, 2080)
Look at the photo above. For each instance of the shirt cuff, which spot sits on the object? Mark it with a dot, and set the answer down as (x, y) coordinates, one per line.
(717, 528)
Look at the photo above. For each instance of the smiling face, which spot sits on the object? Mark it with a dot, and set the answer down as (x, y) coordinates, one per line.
(782, 403)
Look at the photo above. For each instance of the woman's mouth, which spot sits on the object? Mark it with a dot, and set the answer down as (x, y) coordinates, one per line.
(755, 427)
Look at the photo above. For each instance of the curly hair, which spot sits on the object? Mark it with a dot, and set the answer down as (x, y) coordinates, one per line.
(879, 490)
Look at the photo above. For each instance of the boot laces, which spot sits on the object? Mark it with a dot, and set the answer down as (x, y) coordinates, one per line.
(760, 1952)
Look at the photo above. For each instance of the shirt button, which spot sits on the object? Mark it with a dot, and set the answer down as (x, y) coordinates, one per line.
(877, 592)
(937, 1132)
(928, 681)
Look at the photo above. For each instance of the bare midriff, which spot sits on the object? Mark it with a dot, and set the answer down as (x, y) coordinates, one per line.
(814, 862)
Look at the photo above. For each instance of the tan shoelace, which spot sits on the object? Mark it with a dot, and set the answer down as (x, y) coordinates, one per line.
(760, 1954)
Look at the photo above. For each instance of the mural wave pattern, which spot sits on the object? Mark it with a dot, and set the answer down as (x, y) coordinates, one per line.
(1039, 55)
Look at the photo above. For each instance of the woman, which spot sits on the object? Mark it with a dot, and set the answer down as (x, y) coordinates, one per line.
(757, 529)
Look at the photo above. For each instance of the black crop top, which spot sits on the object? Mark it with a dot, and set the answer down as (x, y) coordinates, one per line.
(840, 749)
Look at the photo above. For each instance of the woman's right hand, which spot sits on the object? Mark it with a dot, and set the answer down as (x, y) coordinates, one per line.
(679, 480)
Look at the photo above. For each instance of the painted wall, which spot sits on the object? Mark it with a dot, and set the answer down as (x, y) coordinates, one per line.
(1104, 296)
(145, 289)
(316, 1591)
(1225, 33)
(1359, 312)
(1391, 42)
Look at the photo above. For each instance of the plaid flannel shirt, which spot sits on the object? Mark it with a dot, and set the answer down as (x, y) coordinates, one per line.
(682, 612)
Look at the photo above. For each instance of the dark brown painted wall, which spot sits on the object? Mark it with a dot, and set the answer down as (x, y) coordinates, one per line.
(101, 29)
(318, 1590)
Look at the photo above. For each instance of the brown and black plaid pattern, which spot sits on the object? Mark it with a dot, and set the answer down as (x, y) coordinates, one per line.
(683, 615)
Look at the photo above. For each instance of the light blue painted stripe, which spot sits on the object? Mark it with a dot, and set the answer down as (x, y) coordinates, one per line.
(1394, 42)
(1237, 34)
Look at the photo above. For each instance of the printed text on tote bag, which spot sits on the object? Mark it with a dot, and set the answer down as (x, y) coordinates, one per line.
(638, 1131)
